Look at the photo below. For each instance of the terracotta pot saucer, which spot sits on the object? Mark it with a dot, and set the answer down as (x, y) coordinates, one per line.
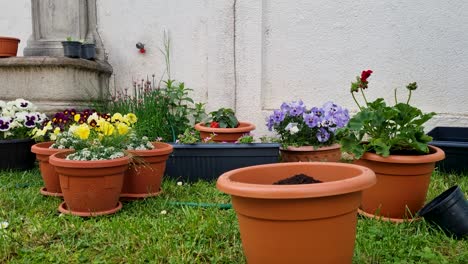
(388, 219)
(44, 192)
(136, 196)
(64, 210)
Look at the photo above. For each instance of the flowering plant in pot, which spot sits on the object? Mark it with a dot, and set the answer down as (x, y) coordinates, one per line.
(224, 125)
(45, 137)
(391, 141)
(308, 134)
(92, 175)
(18, 119)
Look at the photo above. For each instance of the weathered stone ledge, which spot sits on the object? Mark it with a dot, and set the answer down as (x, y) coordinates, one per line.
(44, 61)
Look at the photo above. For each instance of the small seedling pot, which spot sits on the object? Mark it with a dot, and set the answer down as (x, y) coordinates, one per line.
(71, 49)
(88, 51)
(449, 210)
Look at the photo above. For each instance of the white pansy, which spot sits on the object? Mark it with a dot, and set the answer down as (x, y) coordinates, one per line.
(292, 128)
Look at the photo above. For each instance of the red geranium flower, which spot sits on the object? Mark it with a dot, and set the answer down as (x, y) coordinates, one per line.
(214, 124)
(365, 75)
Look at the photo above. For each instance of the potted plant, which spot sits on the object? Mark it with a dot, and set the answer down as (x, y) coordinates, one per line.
(224, 125)
(88, 51)
(304, 223)
(18, 119)
(196, 159)
(308, 134)
(92, 176)
(391, 141)
(45, 137)
(71, 48)
(8, 47)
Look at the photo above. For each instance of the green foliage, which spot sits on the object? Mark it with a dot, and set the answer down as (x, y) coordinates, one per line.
(163, 112)
(225, 117)
(385, 129)
(245, 139)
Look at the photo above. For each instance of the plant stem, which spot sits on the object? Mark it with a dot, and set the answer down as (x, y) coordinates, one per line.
(396, 101)
(363, 95)
(360, 108)
(409, 97)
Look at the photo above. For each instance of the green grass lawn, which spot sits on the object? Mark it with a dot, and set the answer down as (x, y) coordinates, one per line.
(156, 231)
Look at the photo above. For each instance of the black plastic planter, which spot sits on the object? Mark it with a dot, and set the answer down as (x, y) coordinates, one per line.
(454, 142)
(449, 210)
(16, 154)
(195, 162)
(88, 51)
(71, 49)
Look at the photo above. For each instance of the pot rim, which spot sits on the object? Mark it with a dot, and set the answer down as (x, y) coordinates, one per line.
(438, 155)
(243, 127)
(58, 160)
(43, 148)
(311, 148)
(10, 38)
(363, 180)
(16, 140)
(160, 148)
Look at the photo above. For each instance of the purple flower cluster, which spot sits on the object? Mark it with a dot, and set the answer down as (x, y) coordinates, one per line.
(323, 120)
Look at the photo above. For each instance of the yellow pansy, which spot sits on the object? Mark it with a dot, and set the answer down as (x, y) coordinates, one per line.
(82, 131)
(57, 130)
(77, 117)
(106, 128)
(122, 128)
(132, 118)
(117, 117)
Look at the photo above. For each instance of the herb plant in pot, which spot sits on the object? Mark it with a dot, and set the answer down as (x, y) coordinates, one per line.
(224, 125)
(18, 119)
(92, 175)
(391, 141)
(303, 223)
(308, 134)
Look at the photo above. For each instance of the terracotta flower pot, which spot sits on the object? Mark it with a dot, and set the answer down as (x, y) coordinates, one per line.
(225, 134)
(90, 188)
(307, 223)
(8, 47)
(48, 173)
(144, 175)
(402, 183)
(308, 153)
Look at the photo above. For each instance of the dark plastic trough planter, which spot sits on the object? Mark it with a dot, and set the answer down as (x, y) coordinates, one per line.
(16, 154)
(88, 51)
(193, 162)
(454, 142)
(449, 210)
(71, 49)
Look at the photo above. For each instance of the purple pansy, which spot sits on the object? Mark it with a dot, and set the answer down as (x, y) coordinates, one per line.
(5, 124)
(30, 121)
(311, 120)
(296, 108)
(322, 135)
(317, 111)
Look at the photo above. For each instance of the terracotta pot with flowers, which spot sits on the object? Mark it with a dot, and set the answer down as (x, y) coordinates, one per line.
(391, 141)
(18, 119)
(92, 176)
(224, 125)
(308, 134)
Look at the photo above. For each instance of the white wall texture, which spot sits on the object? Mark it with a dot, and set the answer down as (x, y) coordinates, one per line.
(252, 55)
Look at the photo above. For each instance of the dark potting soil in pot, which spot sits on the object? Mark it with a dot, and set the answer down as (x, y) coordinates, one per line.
(297, 179)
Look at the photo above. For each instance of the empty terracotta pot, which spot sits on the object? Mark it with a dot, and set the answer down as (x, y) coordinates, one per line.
(144, 175)
(225, 134)
(90, 188)
(306, 223)
(308, 153)
(402, 183)
(8, 47)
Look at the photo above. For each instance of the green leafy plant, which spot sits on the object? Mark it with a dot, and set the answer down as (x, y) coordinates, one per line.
(246, 139)
(223, 118)
(384, 129)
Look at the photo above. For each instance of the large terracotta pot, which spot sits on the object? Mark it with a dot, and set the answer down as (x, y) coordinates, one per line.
(90, 188)
(308, 223)
(308, 153)
(8, 47)
(402, 183)
(144, 175)
(48, 173)
(225, 134)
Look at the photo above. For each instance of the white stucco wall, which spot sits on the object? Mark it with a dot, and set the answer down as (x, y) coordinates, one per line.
(252, 54)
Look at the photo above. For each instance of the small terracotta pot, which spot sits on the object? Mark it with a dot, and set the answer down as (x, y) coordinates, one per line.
(307, 223)
(144, 175)
(90, 188)
(402, 183)
(8, 47)
(48, 173)
(308, 153)
(225, 134)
